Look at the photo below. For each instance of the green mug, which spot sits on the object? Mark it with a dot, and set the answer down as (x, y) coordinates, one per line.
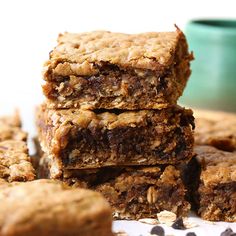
(212, 84)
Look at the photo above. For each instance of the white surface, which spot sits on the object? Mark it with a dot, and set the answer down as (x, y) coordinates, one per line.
(134, 228)
(29, 30)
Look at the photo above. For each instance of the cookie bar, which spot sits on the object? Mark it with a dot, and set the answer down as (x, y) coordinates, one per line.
(10, 128)
(45, 207)
(211, 131)
(15, 163)
(13, 120)
(133, 192)
(112, 70)
(214, 193)
(91, 139)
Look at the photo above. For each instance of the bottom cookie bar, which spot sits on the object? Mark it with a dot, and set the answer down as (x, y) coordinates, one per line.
(214, 191)
(47, 207)
(133, 192)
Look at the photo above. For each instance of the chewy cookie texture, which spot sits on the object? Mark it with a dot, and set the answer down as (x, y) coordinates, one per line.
(133, 192)
(112, 70)
(15, 163)
(214, 189)
(46, 207)
(91, 139)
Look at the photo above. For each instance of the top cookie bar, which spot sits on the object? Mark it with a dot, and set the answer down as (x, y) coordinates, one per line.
(112, 70)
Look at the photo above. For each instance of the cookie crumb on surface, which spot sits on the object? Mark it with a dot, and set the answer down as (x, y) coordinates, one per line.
(149, 221)
(166, 217)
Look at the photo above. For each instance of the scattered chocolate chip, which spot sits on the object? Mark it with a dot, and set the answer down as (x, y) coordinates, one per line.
(228, 232)
(178, 224)
(191, 234)
(158, 230)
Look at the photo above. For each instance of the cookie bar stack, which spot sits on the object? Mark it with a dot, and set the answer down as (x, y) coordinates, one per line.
(111, 123)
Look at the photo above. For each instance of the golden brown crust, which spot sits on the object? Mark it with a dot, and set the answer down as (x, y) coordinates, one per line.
(81, 54)
(45, 207)
(10, 128)
(15, 163)
(13, 120)
(12, 133)
(217, 166)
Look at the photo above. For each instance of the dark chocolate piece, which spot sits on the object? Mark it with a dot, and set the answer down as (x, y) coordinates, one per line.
(158, 230)
(228, 232)
(191, 234)
(178, 224)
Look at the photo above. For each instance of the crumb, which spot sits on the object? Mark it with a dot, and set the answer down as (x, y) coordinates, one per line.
(166, 217)
(189, 224)
(121, 233)
(149, 221)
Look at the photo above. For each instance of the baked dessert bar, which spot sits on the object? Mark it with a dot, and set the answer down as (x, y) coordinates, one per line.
(45, 208)
(10, 128)
(133, 192)
(211, 131)
(91, 139)
(13, 120)
(15, 163)
(109, 70)
(215, 194)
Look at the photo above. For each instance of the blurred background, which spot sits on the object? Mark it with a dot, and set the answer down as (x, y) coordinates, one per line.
(29, 30)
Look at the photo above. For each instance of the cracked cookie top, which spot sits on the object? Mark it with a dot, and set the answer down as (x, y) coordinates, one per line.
(85, 53)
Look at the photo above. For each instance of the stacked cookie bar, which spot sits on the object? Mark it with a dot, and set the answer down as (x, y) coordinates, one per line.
(111, 120)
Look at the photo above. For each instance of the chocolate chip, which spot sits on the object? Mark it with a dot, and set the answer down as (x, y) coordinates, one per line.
(191, 234)
(158, 230)
(228, 232)
(178, 224)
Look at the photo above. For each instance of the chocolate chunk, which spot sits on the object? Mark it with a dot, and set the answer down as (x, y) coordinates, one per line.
(191, 234)
(228, 232)
(178, 224)
(158, 230)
